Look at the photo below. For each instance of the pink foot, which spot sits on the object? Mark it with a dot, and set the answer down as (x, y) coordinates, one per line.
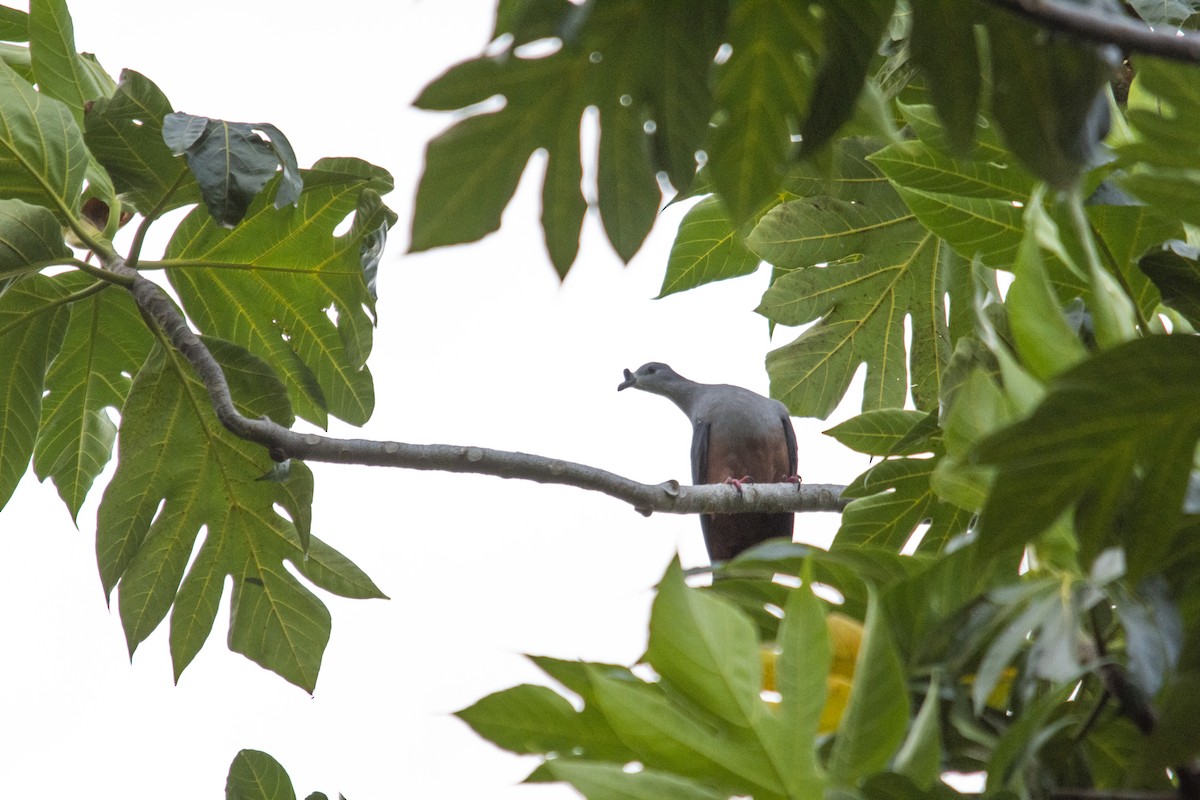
(737, 483)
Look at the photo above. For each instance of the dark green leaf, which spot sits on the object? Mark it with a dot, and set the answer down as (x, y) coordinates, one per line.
(31, 331)
(232, 162)
(852, 35)
(628, 191)
(1048, 97)
(125, 134)
(1175, 271)
(254, 775)
(943, 47)
(106, 340)
(629, 60)
(1121, 422)
(759, 93)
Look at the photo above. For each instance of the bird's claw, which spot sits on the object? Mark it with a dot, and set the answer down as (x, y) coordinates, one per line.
(737, 483)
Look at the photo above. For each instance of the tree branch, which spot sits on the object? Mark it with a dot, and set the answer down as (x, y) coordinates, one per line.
(1084, 21)
(282, 443)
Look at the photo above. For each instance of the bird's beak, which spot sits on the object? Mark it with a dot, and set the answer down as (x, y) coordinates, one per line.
(630, 380)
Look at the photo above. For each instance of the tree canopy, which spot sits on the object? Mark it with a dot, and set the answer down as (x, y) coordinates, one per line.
(989, 207)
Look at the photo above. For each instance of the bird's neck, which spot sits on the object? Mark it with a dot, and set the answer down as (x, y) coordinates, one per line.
(683, 393)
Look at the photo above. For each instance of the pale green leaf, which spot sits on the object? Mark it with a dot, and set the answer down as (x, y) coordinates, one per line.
(42, 156)
(600, 781)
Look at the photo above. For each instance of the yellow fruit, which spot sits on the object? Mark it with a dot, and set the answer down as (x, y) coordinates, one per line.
(845, 637)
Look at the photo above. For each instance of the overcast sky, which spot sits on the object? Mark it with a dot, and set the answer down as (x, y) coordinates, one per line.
(478, 344)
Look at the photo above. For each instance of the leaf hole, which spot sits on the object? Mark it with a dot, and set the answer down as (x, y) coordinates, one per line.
(774, 610)
(828, 593)
(723, 53)
(539, 48)
(633, 767)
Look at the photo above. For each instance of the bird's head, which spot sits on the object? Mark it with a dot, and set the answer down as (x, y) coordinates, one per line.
(653, 377)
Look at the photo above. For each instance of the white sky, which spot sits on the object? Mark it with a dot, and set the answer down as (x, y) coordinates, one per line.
(478, 345)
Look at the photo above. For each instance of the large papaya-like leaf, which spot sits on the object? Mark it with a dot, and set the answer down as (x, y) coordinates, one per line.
(106, 341)
(860, 269)
(30, 236)
(265, 283)
(643, 65)
(181, 472)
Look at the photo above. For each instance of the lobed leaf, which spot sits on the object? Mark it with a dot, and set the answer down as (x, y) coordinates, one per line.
(260, 284)
(105, 342)
(181, 472)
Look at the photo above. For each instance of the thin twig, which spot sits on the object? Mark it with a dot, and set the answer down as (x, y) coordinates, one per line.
(282, 443)
(1086, 22)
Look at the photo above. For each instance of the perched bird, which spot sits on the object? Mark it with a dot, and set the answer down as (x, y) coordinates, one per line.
(737, 436)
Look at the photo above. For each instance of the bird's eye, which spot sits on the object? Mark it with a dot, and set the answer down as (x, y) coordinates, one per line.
(651, 371)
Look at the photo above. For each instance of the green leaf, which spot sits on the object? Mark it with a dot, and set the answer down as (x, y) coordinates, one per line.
(124, 132)
(973, 204)
(758, 94)
(1046, 342)
(920, 757)
(260, 284)
(1048, 97)
(14, 25)
(30, 237)
(1175, 271)
(1121, 423)
(42, 156)
(612, 782)
(626, 59)
(707, 248)
(61, 72)
(1160, 161)
(801, 674)
(254, 775)
(179, 472)
(232, 162)
(878, 433)
(31, 330)
(526, 719)
(106, 340)
(892, 499)
(667, 737)
(877, 714)
(705, 648)
(628, 190)
(852, 35)
(881, 267)
(1126, 233)
(943, 35)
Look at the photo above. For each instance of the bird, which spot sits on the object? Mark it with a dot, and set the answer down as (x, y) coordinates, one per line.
(737, 436)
